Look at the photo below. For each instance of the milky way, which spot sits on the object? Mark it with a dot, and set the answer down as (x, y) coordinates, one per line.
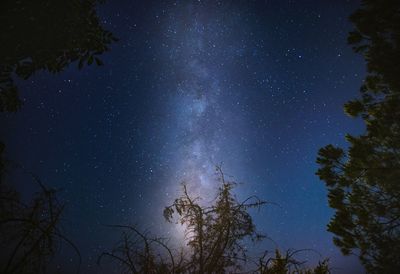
(201, 116)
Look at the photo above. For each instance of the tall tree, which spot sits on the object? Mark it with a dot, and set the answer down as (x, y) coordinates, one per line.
(363, 180)
(46, 35)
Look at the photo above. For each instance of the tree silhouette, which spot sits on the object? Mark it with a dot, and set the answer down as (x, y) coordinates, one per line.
(30, 232)
(216, 235)
(46, 35)
(363, 182)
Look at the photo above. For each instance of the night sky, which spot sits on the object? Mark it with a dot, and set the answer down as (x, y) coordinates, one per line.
(258, 86)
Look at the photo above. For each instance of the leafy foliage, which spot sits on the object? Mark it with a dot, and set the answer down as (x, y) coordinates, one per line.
(363, 182)
(46, 35)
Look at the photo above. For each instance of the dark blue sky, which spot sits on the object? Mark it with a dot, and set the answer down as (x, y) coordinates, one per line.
(256, 85)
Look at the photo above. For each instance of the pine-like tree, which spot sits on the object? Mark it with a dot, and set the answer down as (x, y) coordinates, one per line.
(363, 181)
